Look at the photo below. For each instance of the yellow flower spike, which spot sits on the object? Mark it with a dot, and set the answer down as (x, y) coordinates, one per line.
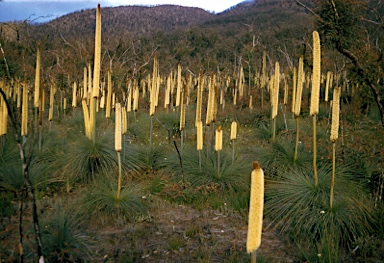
(199, 128)
(118, 128)
(96, 67)
(37, 79)
(335, 115)
(316, 75)
(299, 88)
(233, 130)
(256, 205)
(219, 139)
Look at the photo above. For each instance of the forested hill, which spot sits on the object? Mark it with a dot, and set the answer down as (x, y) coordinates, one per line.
(258, 15)
(191, 36)
(128, 20)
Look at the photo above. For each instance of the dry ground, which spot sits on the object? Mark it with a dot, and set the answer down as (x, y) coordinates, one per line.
(179, 233)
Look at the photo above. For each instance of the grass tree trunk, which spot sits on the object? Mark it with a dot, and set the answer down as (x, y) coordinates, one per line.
(314, 162)
(233, 151)
(297, 139)
(218, 147)
(119, 176)
(36, 226)
(93, 120)
(333, 174)
(151, 131)
(21, 203)
(41, 123)
(253, 257)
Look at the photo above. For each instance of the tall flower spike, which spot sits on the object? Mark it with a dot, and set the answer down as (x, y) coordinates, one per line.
(109, 95)
(199, 98)
(183, 98)
(24, 111)
(335, 115)
(299, 89)
(118, 128)
(86, 119)
(51, 102)
(233, 130)
(316, 75)
(327, 85)
(210, 102)
(152, 99)
(85, 83)
(37, 79)
(285, 90)
(178, 89)
(275, 93)
(74, 95)
(219, 139)
(199, 128)
(294, 88)
(256, 205)
(96, 67)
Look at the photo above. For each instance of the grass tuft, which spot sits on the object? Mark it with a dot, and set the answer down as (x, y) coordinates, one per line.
(102, 202)
(232, 176)
(299, 208)
(64, 236)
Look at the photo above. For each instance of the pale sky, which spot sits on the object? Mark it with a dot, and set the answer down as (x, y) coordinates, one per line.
(45, 10)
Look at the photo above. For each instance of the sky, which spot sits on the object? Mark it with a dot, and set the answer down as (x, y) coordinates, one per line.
(40, 11)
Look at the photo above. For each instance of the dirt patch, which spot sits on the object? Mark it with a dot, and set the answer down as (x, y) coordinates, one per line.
(179, 233)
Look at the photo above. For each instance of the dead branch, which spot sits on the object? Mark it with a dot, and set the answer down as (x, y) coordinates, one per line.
(310, 10)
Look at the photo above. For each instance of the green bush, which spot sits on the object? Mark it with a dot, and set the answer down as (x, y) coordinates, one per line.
(64, 237)
(100, 201)
(299, 208)
(232, 176)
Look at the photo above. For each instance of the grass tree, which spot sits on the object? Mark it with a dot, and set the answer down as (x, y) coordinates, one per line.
(96, 74)
(118, 145)
(38, 102)
(315, 94)
(301, 209)
(65, 234)
(100, 202)
(334, 136)
(124, 128)
(153, 94)
(232, 178)
(209, 120)
(199, 132)
(297, 102)
(36, 93)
